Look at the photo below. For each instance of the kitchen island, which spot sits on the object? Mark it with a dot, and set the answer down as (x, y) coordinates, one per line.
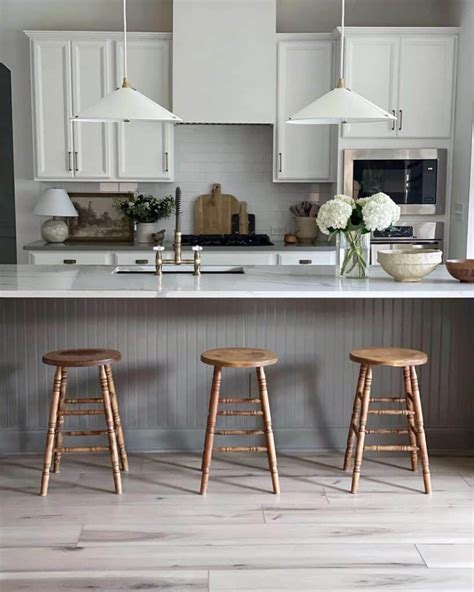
(161, 325)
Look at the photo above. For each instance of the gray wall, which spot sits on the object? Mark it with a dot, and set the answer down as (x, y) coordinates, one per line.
(163, 387)
(156, 15)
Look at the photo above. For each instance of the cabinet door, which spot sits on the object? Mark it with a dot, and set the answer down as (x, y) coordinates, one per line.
(51, 81)
(372, 71)
(303, 152)
(145, 147)
(91, 80)
(425, 99)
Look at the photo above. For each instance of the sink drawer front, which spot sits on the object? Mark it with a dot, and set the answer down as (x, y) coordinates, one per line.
(135, 258)
(71, 258)
(238, 258)
(308, 258)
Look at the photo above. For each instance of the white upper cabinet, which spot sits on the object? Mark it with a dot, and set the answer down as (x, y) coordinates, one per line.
(305, 72)
(52, 108)
(425, 96)
(91, 80)
(144, 149)
(411, 75)
(73, 70)
(372, 71)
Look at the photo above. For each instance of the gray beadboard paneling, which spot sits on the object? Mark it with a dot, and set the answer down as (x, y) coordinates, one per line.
(163, 387)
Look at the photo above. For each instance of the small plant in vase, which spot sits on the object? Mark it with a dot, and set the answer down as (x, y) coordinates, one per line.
(352, 221)
(145, 211)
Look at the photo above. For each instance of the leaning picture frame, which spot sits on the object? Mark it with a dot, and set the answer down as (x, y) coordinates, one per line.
(97, 219)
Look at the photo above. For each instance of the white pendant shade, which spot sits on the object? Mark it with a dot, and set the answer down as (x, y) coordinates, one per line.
(340, 105)
(126, 104)
(55, 202)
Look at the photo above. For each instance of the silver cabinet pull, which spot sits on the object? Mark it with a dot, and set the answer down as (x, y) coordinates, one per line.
(141, 261)
(76, 168)
(400, 121)
(305, 261)
(166, 162)
(69, 261)
(69, 161)
(394, 121)
(280, 162)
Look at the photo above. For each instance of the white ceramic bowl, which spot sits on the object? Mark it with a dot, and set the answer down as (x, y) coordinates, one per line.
(409, 265)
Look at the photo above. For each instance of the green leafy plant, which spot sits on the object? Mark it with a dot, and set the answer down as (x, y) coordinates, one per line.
(145, 208)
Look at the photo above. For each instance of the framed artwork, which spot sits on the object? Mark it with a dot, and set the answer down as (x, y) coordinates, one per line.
(98, 220)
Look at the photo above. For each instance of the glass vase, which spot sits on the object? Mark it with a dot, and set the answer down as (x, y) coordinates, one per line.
(353, 251)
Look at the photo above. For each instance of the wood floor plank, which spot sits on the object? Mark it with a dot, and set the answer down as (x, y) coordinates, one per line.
(29, 536)
(453, 556)
(138, 557)
(342, 580)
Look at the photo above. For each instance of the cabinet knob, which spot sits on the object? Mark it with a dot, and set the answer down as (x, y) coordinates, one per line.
(69, 261)
(305, 261)
(141, 261)
(400, 120)
(280, 162)
(394, 121)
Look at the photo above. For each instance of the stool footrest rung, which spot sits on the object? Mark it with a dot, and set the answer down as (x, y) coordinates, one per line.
(241, 449)
(230, 401)
(82, 449)
(85, 433)
(83, 412)
(239, 432)
(80, 400)
(399, 431)
(391, 412)
(394, 448)
(387, 399)
(239, 412)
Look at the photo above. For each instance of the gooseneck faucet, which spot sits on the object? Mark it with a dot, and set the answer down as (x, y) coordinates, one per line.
(177, 260)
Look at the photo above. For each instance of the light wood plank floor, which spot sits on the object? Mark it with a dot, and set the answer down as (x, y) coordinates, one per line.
(161, 535)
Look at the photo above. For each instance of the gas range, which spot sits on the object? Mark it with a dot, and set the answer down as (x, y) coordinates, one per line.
(226, 240)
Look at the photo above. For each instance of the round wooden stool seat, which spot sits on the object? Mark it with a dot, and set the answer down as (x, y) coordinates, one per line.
(388, 356)
(239, 357)
(80, 358)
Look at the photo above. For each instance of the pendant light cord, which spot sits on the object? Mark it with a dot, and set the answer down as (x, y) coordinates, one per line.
(125, 52)
(341, 57)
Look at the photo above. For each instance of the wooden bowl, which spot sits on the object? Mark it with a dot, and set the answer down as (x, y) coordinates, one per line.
(461, 269)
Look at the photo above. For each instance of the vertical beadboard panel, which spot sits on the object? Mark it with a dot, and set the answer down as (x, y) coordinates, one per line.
(164, 386)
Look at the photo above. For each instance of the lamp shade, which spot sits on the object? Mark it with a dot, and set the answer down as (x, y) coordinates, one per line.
(340, 105)
(55, 202)
(126, 104)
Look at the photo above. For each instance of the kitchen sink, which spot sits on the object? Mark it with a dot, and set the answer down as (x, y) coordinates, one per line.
(188, 269)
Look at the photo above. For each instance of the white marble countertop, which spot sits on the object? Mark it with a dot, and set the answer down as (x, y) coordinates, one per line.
(45, 281)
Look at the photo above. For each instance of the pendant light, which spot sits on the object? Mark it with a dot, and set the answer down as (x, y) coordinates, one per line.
(341, 105)
(125, 103)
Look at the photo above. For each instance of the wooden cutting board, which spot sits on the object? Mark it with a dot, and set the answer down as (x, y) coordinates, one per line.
(213, 212)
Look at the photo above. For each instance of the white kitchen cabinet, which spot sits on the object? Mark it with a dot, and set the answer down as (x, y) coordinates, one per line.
(91, 80)
(305, 72)
(73, 70)
(52, 108)
(426, 87)
(310, 257)
(144, 148)
(69, 257)
(409, 74)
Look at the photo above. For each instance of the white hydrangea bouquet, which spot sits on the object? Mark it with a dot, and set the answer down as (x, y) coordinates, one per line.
(352, 221)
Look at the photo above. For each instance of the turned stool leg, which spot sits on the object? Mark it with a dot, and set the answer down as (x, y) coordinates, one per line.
(351, 436)
(410, 418)
(420, 431)
(117, 421)
(211, 427)
(110, 430)
(58, 441)
(361, 430)
(267, 419)
(51, 436)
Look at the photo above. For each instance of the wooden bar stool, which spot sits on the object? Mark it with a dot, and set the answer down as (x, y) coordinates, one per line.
(81, 358)
(396, 358)
(239, 357)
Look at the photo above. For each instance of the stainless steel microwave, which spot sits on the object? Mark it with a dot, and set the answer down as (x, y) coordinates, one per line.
(415, 178)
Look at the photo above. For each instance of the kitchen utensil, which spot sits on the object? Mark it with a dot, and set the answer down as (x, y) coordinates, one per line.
(461, 269)
(213, 212)
(409, 265)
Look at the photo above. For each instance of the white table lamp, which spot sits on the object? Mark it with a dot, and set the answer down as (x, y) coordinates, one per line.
(56, 203)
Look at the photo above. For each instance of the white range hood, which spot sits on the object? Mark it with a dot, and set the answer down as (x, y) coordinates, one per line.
(224, 61)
